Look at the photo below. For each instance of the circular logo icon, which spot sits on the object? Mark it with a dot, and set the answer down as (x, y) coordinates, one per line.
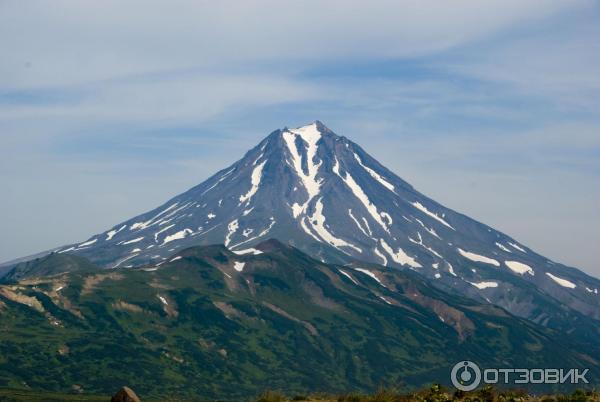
(465, 375)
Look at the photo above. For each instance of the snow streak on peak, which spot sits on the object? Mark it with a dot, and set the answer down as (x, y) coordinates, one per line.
(309, 133)
(310, 136)
(376, 175)
(422, 208)
(318, 223)
(363, 198)
(255, 181)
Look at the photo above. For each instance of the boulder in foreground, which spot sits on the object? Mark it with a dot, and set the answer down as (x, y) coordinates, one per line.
(125, 394)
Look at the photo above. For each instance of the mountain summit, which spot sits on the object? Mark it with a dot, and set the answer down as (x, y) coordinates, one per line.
(323, 194)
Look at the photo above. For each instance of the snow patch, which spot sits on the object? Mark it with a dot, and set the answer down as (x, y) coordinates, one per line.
(367, 226)
(371, 274)
(232, 228)
(239, 266)
(362, 197)
(422, 208)
(121, 261)
(182, 234)
(296, 210)
(255, 181)
(400, 256)
(376, 175)
(161, 231)
(308, 231)
(518, 247)
(519, 267)
(503, 248)
(248, 251)
(358, 223)
(87, 243)
(136, 240)
(420, 243)
(346, 274)
(387, 216)
(310, 135)
(380, 255)
(144, 225)
(264, 232)
(561, 281)
(223, 177)
(431, 231)
(478, 258)
(112, 233)
(451, 269)
(317, 221)
(484, 285)
(257, 159)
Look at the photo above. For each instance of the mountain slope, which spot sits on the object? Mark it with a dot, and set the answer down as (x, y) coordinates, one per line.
(49, 265)
(269, 318)
(325, 195)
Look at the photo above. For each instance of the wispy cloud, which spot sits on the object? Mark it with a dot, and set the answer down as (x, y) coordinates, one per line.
(108, 108)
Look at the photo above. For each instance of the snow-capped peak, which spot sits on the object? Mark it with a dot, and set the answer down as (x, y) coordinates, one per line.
(311, 133)
(324, 194)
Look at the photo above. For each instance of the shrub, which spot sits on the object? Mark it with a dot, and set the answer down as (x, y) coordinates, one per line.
(271, 396)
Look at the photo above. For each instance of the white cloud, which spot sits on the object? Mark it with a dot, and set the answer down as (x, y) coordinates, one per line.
(186, 97)
(62, 43)
(559, 66)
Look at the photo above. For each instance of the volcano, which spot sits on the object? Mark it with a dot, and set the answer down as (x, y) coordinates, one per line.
(323, 194)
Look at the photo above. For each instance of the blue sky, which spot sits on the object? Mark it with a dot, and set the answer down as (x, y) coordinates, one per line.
(492, 108)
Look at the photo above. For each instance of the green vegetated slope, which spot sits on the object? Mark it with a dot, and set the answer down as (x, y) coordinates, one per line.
(20, 395)
(214, 324)
(49, 265)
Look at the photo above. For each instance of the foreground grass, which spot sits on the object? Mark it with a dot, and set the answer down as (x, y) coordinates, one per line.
(438, 394)
(434, 394)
